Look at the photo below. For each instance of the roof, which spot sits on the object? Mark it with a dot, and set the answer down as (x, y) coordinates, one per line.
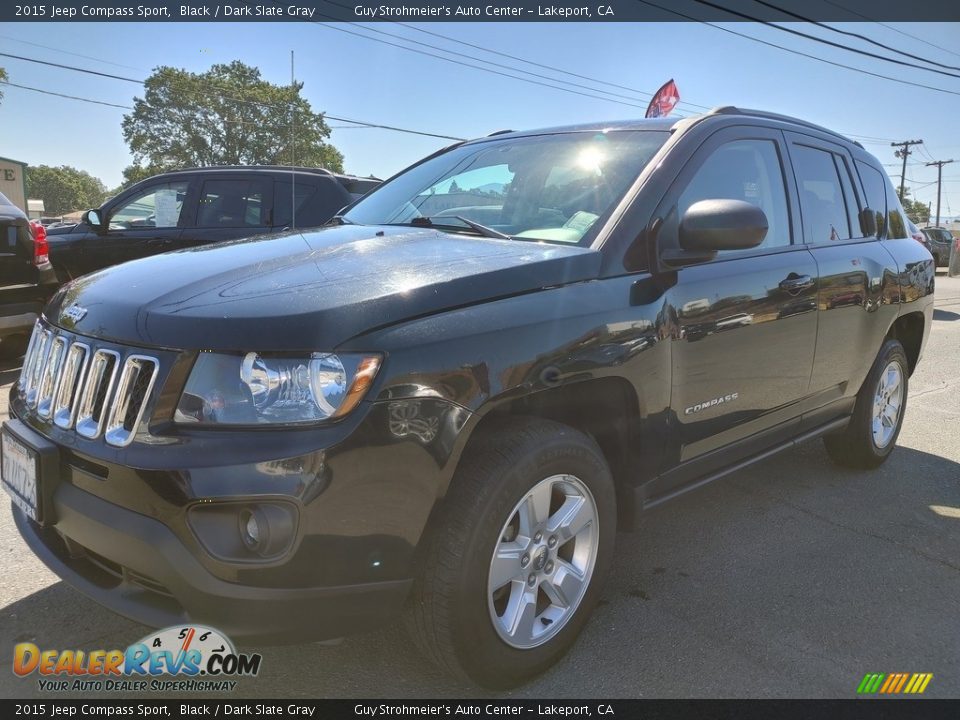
(269, 168)
(666, 124)
(11, 160)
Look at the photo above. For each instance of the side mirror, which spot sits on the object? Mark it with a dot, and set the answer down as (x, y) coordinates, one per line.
(712, 225)
(93, 219)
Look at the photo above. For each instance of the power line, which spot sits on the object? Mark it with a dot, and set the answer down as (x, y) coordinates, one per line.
(475, 67)
(796, 52)
(890, 27)
(69, 97)
(517, 58)
(67, 52)
(865, 53)
(855, 35)
(70, 67)
(221, 94)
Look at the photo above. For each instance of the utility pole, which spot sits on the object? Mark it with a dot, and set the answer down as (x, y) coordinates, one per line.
(939, 164)
(904, 152)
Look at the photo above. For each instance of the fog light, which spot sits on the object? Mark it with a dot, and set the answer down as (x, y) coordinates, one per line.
(250, 530)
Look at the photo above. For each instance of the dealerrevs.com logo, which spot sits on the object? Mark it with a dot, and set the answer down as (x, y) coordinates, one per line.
(199, 658)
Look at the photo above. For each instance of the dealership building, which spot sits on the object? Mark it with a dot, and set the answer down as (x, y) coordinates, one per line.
(13, 181)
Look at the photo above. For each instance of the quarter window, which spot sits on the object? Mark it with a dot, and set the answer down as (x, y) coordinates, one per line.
(873, 186)
(748, 170)
(824, 212)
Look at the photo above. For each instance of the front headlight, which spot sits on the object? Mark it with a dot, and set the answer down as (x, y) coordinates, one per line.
(255, 389)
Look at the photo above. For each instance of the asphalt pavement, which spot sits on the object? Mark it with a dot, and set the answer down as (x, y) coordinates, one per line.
(792, 578)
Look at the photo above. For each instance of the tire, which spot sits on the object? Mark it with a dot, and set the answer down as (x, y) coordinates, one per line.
(454, 615)
(866, 444)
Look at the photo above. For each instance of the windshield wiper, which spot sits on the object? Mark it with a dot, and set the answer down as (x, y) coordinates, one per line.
(483, 230)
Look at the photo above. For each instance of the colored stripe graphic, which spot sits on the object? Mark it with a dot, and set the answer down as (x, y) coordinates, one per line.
(894, 683)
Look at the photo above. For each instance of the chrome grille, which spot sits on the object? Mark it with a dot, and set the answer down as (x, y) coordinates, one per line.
(92, 390)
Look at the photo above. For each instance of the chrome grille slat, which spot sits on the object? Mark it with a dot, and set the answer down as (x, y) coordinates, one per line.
(139, 371)
(99, 383)
(68, 392)
(94, 391)
(37, 364)
(51, 376)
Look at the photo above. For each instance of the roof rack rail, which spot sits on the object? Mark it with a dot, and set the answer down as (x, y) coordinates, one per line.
(734, 110)
(499, 132)
(287, 168)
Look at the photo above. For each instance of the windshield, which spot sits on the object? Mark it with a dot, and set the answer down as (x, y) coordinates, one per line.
(551, 188)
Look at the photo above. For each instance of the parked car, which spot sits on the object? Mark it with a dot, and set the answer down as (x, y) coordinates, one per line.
(443, 407)
(918, 235)
(188, 208)
(940, 240)
(27, 280)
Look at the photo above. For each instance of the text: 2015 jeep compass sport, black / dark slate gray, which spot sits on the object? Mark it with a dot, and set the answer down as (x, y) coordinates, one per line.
(443, 407)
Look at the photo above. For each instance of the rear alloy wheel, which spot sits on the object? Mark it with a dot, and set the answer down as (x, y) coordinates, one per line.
(515, 558)
(878, 414)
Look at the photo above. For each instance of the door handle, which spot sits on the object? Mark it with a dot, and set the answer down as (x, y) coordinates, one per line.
(795, 283)
(158, 242)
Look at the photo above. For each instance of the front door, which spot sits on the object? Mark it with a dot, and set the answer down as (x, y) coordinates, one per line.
(147, 223)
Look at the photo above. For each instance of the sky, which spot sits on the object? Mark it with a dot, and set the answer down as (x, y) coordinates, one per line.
(357, 78)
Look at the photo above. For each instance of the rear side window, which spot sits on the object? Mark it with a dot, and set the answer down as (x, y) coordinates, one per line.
(823, 207)
(748, 170)
(230, 203)
(873, 186)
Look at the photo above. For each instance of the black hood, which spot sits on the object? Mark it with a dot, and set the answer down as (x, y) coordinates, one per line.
(309, 291)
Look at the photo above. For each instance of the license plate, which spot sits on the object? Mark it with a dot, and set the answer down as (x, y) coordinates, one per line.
(19, 472)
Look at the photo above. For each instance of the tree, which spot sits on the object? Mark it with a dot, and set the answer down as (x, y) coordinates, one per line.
(915, 210)
(3, 78)
(228, 115)
(64, 189)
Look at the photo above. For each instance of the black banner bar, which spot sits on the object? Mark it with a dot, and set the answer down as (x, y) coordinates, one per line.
(484, 11)
(872, 709)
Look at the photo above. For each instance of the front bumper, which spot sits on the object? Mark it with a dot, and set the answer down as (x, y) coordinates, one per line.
(137, 567)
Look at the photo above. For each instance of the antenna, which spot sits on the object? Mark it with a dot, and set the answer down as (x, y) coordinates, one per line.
(293, 140)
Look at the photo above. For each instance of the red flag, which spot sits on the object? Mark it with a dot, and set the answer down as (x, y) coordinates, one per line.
(664, 100)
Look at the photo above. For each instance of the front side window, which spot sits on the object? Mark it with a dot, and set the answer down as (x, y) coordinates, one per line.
(550, 188)
(230, 203)
(748, 170)
(822, 206)
(158, 206)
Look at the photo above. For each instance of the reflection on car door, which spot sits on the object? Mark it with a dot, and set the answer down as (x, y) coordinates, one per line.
(147, 223)
(745, 323)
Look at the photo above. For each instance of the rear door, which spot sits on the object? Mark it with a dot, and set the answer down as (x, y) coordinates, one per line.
(859, 287)
(230, 206)
(744, 346)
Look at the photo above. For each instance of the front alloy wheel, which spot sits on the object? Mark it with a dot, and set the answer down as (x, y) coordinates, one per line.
(515, 557)
(544, 561)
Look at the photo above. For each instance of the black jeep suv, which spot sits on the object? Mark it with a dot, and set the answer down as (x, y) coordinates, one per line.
(445, 406)
(27, 280)
(187, 208)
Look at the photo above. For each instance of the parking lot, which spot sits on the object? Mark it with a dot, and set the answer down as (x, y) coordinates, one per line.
(790, 579)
